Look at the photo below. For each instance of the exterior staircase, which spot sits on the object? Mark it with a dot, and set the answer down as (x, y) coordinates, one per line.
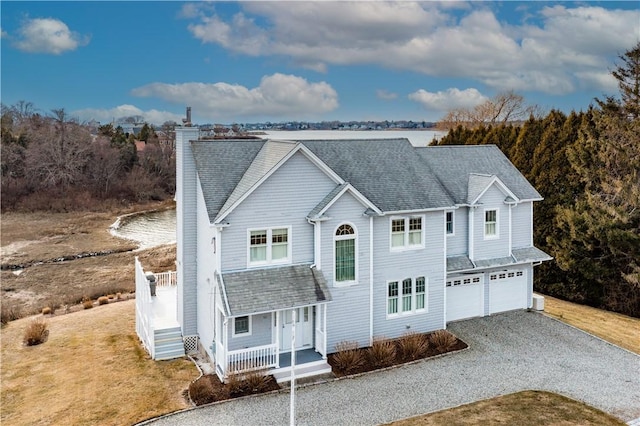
(308, 369)
(168, 343)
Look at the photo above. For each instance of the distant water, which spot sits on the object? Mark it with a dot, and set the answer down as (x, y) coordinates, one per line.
(147, 229)
(416, 137)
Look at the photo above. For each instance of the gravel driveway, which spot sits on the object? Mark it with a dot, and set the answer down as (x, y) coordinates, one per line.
(508, 352)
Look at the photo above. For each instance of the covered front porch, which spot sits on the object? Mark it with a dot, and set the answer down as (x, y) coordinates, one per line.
(265, 314)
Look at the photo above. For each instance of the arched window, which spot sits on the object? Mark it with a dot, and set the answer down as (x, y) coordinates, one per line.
(345, 252)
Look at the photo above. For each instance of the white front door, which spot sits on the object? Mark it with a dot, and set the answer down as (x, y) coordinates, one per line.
(304, 328)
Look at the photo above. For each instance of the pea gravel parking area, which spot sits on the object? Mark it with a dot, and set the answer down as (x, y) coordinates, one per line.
(507, 353)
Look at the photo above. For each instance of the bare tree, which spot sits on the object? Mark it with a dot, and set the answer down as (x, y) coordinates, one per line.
(505, 107)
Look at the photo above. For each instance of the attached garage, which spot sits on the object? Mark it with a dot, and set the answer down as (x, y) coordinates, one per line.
(507, 291)
(465, 297)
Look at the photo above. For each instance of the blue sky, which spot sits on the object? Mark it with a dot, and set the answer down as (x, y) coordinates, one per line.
(314, 60)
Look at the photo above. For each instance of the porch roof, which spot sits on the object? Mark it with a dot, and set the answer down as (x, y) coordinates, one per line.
(274, 289)
(519, 256)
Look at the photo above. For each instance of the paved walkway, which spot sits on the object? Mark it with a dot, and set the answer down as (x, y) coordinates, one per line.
(508, 353)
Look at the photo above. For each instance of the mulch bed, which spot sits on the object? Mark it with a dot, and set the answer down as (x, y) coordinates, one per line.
(209, 388)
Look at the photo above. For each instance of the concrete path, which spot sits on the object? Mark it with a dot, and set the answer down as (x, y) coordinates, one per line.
(508, 353)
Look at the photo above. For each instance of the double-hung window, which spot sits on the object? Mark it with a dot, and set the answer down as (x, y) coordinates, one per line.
(271, 245)
(449, 223)
(242, 326)
(491, 224)
(407, 296)
(407, 232)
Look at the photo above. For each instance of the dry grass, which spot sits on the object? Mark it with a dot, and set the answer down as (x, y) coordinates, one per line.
(36, 332)
(30, 237)
(442, 340)
(522, 408)
(348, 358)
(618, 329)
(92, 370)
(413, 345)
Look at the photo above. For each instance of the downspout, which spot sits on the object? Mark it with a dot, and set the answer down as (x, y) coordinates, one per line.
(510, 232)
(472, 212)
(370, 280)
(444, 282)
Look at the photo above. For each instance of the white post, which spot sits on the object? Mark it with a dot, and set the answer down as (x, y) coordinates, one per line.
(292, 414)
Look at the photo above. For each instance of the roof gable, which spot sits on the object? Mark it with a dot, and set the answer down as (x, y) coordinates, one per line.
(270, 158)
(454, 164)
(480, 183)
(334, 195)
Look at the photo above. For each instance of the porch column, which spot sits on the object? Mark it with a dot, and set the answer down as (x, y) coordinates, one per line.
(324, 327)
(277, 314)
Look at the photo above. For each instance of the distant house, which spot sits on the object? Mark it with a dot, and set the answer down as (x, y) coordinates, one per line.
(356, 239)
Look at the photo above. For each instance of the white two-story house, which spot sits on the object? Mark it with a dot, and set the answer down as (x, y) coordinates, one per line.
(356, 239)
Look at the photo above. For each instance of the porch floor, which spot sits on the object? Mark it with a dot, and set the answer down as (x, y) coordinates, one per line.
(302, 357)
(165, 307)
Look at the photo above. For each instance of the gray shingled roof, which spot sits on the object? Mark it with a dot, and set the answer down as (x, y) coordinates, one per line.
(386, 171)
(265, 290)
(530, 254)
(453, 164)
(221, 164)
(520, 255)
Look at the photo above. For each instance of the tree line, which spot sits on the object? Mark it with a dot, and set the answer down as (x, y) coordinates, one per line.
(586, 165)
(53, 162)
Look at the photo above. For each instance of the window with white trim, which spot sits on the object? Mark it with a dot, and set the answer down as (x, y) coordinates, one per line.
(406, 232)
(270, 245)
(407, 296)
(242, 326)
(491, 223)
(449, 223)
(345, 254)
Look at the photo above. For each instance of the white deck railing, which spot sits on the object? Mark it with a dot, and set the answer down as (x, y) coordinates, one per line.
(144, 310)
(251, 359)
(166, 279)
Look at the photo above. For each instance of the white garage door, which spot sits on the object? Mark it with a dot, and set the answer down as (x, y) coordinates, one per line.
(464, 297)
(507, 291)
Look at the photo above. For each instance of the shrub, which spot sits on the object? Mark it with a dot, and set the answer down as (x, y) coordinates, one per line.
(348, 358)
(9, 311)
(443, 340)
(36, 332)
(46, 310)
(413, 346)
(87, 303)
(382, 353)
(201, 391)
(256, 381)
(118, 296)
(103, 300)
(234, 384)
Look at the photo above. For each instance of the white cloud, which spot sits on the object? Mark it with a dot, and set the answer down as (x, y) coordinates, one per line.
(277, 95)
(449, 99)
(152, 116)
(386, 95)
(556, 55)
(48, 35)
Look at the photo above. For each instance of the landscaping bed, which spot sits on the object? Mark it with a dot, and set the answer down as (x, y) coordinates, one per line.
(347, 360)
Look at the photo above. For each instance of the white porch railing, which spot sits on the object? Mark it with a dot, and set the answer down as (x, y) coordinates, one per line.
(250, 359)
(144, 310)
